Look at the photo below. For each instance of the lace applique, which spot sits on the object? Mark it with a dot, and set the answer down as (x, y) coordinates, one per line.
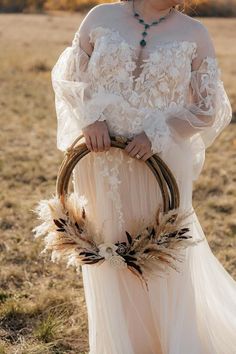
(111, 173)
(154, 86)
(97, 32)
(204, 83)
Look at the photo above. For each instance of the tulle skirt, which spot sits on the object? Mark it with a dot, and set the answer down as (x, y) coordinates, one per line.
(190, 311)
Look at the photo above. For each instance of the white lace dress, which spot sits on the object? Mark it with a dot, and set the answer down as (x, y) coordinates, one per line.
(182, 111)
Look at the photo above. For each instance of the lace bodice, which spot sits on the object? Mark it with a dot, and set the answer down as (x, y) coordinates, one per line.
(168, 100)
(163, 81)
(164, 76)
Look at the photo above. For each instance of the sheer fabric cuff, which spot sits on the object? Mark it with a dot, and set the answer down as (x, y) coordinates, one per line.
(157, 131)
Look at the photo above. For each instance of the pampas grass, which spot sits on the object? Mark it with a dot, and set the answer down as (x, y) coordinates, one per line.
(68, 235)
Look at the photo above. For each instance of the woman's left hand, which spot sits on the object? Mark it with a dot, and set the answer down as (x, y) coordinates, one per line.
(141, 145)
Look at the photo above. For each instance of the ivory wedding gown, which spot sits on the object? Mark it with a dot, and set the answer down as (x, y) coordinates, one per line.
(182, 111)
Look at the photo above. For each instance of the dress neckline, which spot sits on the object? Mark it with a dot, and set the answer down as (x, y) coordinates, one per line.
(133, 49)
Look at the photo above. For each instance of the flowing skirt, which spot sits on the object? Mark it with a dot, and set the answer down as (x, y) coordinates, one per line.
(192, 311)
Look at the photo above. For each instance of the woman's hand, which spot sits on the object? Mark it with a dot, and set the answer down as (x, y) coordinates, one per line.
(140, 145)
(97, 136)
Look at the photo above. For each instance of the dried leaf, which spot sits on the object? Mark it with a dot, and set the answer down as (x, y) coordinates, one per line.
(58, 223)
(129, 258)
(63, 221)
(79, 227)
(61, 230)
(129, 237)
(135, 266)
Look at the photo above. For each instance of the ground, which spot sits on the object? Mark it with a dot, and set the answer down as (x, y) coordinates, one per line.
(42, 306)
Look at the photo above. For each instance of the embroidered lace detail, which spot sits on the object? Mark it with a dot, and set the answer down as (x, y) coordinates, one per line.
(203, 83)
(161, 81)
(154, 86)
(111, 173)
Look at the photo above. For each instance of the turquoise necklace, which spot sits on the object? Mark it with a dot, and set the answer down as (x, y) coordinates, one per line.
(148, 25)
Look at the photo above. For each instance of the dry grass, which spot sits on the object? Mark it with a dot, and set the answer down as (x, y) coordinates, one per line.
(212, 8)
(42, 307)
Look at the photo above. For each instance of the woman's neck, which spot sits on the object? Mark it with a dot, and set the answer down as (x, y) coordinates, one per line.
(151, 9)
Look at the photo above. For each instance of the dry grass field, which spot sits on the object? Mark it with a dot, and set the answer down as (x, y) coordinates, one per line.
(42, 306)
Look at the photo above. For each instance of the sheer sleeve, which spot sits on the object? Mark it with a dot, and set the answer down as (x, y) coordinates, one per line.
(77, 103)
(206, 112)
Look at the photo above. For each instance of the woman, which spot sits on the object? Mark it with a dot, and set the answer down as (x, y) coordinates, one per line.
(159, 85)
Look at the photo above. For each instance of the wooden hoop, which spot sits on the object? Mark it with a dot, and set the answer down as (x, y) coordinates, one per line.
(166, 180)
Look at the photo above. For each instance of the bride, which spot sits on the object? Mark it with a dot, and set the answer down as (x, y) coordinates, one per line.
(144, 70)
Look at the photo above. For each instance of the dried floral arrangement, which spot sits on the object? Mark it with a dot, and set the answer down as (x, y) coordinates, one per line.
(69, 235)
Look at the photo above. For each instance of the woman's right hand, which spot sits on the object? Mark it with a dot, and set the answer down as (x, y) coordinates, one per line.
(97, 136)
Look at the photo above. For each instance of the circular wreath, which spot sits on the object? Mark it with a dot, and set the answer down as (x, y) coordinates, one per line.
(70, 236)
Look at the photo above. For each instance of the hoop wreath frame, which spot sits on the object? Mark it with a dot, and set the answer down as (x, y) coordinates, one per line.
(69, 236)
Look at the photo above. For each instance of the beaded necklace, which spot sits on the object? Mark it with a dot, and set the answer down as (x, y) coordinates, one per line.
(148, 25)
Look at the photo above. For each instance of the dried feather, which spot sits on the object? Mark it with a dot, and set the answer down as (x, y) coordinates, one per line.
(70, 236)
(141, 242)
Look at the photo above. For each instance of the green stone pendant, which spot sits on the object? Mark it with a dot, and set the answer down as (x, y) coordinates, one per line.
(147, 25)
(143, 42)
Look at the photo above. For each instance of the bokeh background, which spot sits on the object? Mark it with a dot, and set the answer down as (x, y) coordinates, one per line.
(42, 306)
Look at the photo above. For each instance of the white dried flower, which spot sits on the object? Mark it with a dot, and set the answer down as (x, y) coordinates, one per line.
(117, 262)
(107, 250)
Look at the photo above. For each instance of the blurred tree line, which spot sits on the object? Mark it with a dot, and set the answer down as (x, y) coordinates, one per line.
(44, 5)
(218, 8)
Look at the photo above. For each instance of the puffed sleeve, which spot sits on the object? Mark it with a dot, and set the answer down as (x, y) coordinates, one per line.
(77, 103)
(206, 114)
